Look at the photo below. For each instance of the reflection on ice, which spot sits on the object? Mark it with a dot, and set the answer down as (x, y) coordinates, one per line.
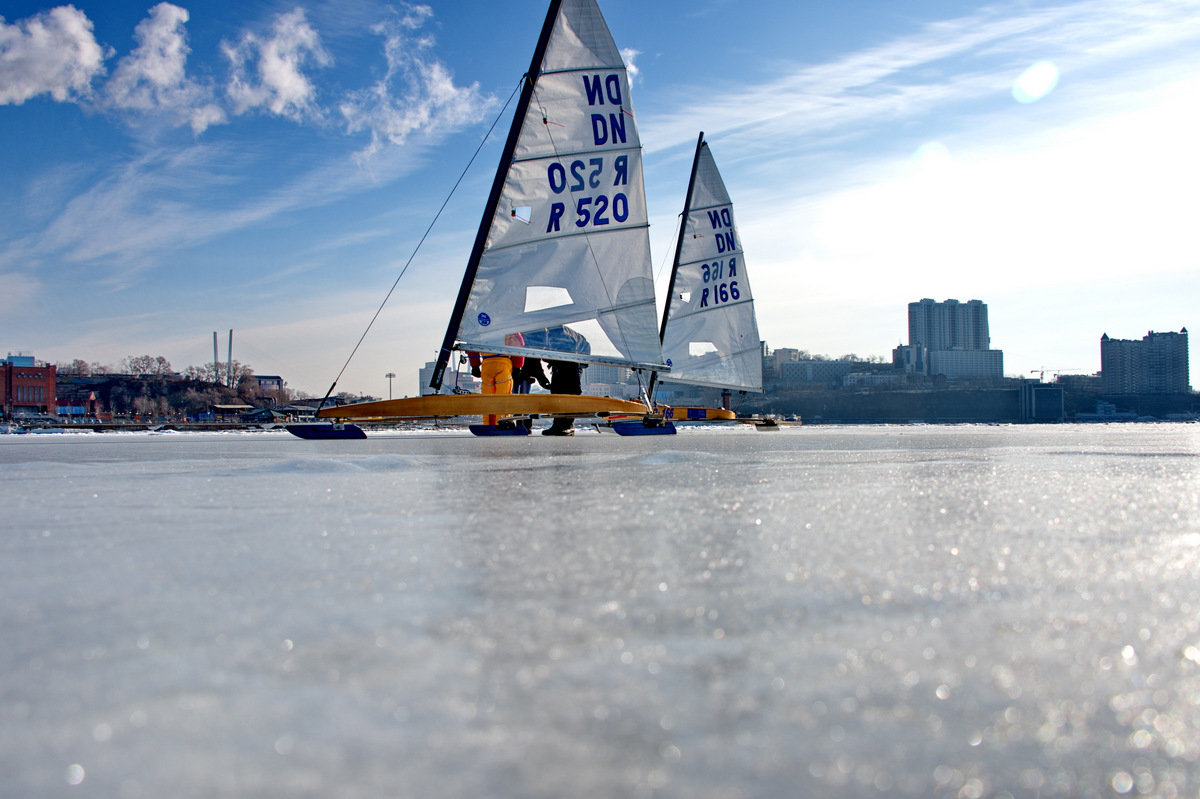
(963, 611)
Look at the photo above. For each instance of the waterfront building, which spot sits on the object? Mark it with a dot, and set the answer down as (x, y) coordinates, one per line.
(1041, 402)
(27, 386)
(1158, 364)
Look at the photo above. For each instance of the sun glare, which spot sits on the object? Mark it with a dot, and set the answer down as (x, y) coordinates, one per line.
(1035, 82)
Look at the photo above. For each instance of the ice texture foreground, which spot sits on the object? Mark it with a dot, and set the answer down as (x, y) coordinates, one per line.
(834, 612)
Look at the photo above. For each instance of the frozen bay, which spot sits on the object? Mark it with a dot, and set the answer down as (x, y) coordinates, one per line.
(820, 611)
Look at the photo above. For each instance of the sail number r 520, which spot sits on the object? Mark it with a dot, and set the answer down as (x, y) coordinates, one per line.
(591, 210)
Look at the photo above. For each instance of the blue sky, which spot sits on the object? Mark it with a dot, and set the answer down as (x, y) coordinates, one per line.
(172, 170)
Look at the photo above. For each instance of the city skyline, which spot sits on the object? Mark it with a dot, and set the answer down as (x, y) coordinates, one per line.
(1037, 156)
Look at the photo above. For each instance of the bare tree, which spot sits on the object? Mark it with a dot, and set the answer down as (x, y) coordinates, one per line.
(147, 366)
(76, 367)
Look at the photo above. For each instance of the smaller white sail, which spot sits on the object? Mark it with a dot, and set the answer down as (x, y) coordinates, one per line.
(710, 334)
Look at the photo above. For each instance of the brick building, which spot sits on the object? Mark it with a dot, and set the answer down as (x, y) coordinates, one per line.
(26, 386)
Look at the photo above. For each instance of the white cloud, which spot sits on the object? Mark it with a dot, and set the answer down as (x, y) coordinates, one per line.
(152, 77)
(269, 72)
(417, 93)
(629, 56)
(51, 53)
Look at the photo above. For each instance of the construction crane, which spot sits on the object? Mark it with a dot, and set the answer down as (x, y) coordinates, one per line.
(1041, 373)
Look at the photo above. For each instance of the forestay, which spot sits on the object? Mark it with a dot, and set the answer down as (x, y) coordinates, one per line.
(565, 240)
(710, 335)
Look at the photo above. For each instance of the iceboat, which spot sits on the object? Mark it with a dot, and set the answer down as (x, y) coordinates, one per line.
(709, 333)
(562, 253)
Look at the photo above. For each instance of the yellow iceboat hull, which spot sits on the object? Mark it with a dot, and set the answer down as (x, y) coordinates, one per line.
(694, 414)
(437, 406)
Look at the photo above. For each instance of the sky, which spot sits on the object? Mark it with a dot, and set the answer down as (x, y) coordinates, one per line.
(268, 168)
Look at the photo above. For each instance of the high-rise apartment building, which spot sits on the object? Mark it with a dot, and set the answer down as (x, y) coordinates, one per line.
(1158, 364)
(950, 338)
(949, 325)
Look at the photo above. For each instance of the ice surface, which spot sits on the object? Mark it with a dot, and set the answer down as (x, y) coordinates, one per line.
(833, 612)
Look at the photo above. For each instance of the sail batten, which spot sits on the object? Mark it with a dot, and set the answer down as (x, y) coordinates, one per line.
(501, 247)
(709, 331)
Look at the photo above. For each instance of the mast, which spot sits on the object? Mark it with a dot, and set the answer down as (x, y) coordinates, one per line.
(687, 208)
(489, 212)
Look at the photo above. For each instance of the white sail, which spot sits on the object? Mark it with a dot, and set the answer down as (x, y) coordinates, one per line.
(710, 335)
(567, 241)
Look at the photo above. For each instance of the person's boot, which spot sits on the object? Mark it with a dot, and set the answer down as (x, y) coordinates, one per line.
(557, 429)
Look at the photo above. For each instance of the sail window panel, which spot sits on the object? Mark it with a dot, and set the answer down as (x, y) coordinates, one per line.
(598, 341)
(522, 214)
(539, 298)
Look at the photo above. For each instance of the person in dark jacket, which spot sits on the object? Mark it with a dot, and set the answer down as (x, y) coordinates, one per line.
(565, 377)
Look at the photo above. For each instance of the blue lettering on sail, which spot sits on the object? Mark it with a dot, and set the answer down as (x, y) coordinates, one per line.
(608, 129)
(599, 88)
(557, 177)
(621, 167)
(578, 177)
(720, 217)
(593, 89)
(719, 288)
(556, 214)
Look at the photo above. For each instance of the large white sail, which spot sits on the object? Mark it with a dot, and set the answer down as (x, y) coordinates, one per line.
(710, 335)
(565, 240)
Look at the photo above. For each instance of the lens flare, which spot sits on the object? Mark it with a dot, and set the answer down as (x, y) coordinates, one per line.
(1035, 82)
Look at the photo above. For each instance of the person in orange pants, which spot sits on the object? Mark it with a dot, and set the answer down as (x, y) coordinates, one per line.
(495, 372)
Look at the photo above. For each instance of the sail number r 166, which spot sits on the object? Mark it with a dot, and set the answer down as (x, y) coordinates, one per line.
(719, 285)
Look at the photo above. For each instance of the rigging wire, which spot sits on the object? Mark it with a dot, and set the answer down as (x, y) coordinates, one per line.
(670, 251)
(424, 236)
